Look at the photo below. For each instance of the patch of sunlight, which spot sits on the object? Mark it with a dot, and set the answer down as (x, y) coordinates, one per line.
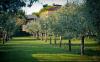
(62, 57)
(27, 37)
(27, 42)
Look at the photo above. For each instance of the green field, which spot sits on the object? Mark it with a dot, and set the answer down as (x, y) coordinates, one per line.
(27, 49)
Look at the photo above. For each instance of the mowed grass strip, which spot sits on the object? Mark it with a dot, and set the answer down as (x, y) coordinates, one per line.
(64, 57)
(28, 49)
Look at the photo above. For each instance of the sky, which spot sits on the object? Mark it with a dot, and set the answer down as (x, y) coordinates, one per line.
(37, 6)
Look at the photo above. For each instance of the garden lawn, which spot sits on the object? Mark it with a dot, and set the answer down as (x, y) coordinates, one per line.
(27, 49)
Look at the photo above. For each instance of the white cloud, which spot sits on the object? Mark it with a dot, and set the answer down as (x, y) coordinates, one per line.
(34, 8)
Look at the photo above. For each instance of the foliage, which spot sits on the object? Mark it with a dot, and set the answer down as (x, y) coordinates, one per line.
(94, 9)
(13, 5)
(73, 19)
(33, 27)
(10, 11)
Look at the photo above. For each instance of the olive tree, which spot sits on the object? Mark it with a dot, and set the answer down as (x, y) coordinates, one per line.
(74, 19)
(78, 22)
(7, 26)
(9, 10)
(94, 9)
(44, 28)
(54, 26)
(34, 28)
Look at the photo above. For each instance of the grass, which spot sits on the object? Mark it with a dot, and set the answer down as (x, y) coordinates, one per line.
(64, 57)
(27, 49)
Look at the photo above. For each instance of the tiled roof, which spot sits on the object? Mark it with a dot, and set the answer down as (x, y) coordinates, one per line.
(53, 8)
(31, 16)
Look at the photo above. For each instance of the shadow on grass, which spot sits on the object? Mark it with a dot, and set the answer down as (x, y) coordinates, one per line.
(22, 52)
(24, 39)
(2, 56)
(66, 44)
(90, 52)
(16, 57)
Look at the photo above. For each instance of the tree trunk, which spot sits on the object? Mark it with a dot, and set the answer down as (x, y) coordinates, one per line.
(45, 36)
(7, 36)
(37, 35)
(0, 36)
(3, 41)
(50, 40)
(42, 36)
(69, 43)
(60, 41)
(10, 37)
(55, 40)
(82, 45)
(33, 34)
(4, 38)
(0, 39)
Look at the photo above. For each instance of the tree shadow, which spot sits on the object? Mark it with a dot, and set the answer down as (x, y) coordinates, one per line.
(3, 56)
(90, 52)
(24, 39)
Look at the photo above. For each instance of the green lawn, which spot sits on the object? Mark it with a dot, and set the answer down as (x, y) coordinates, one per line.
(26, 49)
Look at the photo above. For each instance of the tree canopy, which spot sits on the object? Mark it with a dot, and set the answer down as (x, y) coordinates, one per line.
(94, 11)
(10, 12)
